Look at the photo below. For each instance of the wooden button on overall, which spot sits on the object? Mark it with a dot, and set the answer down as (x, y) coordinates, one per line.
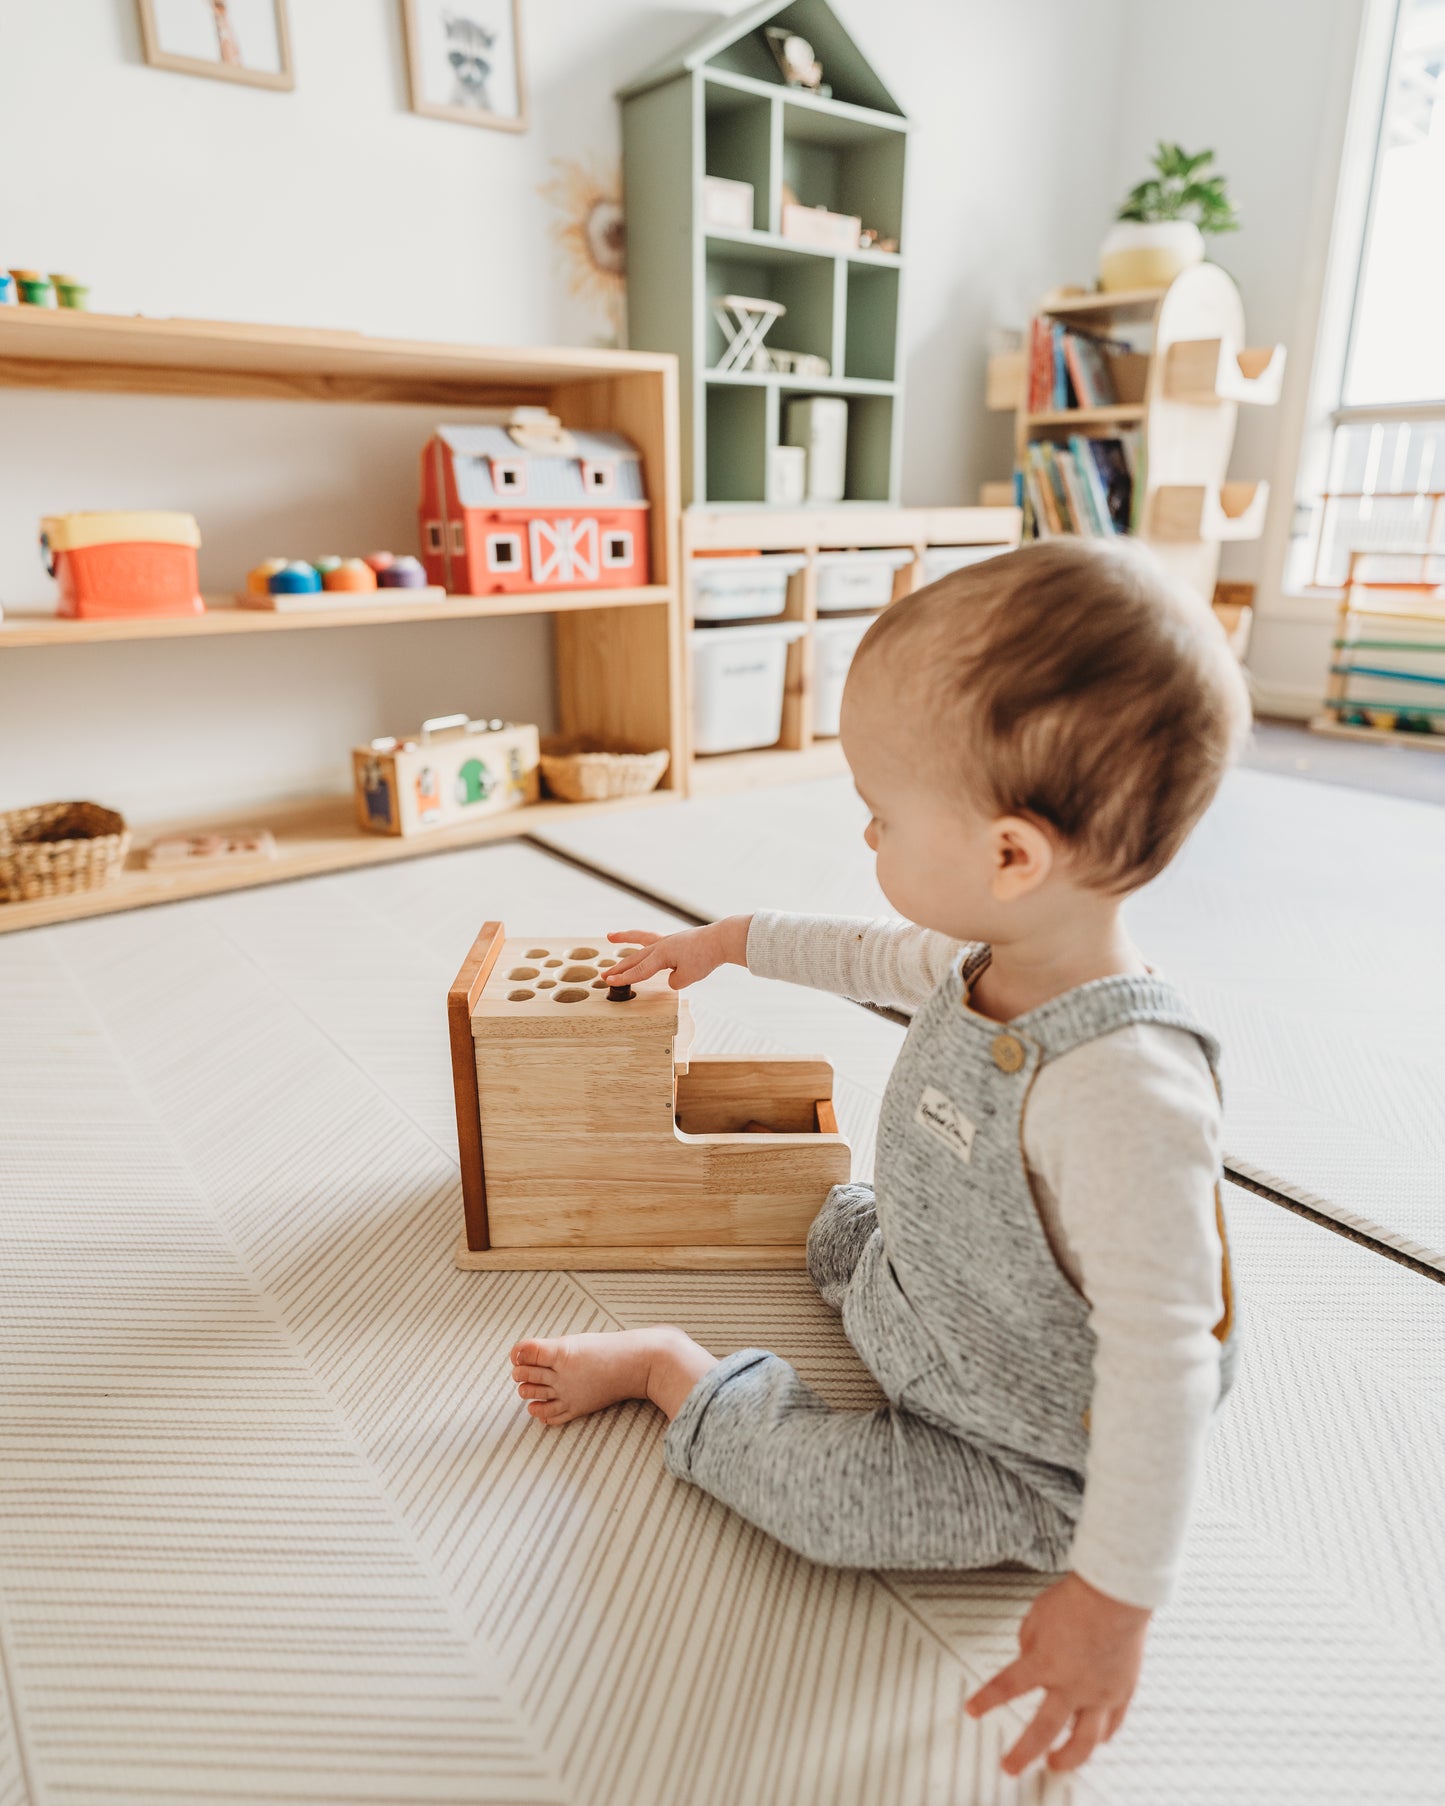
(1008, 1053)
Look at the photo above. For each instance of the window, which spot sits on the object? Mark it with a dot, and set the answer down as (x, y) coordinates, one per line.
(459, 539)
(617, 549)
(509, 476)
(1385, 481)
(504, 551)
(599, 478)
(433, 536)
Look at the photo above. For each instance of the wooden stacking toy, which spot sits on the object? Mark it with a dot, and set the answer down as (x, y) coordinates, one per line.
(588, 1139)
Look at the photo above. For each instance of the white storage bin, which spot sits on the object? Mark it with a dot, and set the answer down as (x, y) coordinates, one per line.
(858, 579)
(738, 675)
(834, 643)
(938, 561)
(740, 589)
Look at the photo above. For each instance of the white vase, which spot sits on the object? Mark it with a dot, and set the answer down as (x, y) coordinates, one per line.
(1148, 254)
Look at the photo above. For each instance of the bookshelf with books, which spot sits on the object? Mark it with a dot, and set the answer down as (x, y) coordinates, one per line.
(1125, 407)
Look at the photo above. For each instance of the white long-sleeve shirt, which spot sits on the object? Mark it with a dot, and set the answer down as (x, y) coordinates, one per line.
(1121, 1143)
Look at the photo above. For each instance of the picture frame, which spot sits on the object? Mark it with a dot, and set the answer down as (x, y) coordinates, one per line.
(464, 58)
(228, 40)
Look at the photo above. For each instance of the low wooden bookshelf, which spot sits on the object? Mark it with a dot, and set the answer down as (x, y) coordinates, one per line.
(1182, 390)
(800, 752)
(618, 654)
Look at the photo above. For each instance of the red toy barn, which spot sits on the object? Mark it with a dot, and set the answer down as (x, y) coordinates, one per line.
(529, 506)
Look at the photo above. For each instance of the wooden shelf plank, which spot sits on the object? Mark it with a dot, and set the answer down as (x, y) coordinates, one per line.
(313, 837)
(222, 616)
(722, 772)
(1124, 300)
(1119, 414)
(719, 526)
(777, 379)
(56, 349)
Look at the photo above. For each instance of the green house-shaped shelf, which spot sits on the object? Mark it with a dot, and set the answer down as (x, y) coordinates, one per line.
(722, 107)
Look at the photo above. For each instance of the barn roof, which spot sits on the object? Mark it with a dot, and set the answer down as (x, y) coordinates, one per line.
(550, 479)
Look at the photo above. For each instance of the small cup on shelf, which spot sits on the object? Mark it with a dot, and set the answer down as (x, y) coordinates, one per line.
(294, 579)
(34, 288)
(350, 574)
(71, 292)
(402, 573)
(258, 578)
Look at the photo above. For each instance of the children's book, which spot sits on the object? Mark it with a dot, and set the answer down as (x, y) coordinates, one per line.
(1098, 500)
(1088, 365)
(1112, 467)
(1079, 510)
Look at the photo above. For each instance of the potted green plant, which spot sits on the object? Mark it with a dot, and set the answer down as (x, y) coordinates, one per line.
(1160, 228)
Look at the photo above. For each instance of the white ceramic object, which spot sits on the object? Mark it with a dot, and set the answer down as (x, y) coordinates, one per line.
(1148, 254)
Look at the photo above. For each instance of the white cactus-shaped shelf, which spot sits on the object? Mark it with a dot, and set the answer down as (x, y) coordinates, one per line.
(1183, 391)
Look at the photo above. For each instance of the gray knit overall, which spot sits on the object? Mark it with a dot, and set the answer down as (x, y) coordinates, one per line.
(952, 1296)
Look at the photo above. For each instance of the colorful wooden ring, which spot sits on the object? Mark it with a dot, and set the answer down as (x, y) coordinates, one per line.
(258, 579)
(295, 579)
(402, 573)
(332, 562)
(350, 574)
(380, 561)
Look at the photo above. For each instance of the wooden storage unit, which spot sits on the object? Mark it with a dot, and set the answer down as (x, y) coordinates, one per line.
(1182, 391)
(721, 109)
(799, 753)
(618, 653)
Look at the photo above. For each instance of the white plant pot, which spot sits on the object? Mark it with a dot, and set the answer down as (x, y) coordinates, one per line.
(1148, 254)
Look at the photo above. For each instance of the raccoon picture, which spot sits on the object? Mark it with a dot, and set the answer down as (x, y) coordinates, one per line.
(469, 51)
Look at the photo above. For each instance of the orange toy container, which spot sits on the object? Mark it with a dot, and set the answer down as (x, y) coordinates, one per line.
(111, 566)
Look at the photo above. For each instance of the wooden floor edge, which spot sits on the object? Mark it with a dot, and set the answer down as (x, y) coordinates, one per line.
(785, 1256)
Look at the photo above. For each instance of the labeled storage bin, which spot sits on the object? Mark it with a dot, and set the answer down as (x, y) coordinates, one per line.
(858, 579)
(940, 561)
(742, 589)
(834, 643)
(738, 676)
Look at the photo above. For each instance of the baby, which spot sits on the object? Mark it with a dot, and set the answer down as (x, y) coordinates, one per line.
(1038, 1277)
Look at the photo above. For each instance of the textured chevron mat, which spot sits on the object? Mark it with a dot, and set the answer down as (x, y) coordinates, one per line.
(1302, 920)
(274, 1528)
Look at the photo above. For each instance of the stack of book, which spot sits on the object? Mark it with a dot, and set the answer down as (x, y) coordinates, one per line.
(1388, 668)
(1088, 486)
(1069, 369)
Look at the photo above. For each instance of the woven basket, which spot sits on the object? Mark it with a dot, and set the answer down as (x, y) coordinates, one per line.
(53, 848)
(583, 771)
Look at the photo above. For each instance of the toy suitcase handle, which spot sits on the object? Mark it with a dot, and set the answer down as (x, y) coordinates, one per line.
(442, 724)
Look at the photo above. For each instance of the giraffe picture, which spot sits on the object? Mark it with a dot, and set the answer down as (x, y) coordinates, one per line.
(232, 40)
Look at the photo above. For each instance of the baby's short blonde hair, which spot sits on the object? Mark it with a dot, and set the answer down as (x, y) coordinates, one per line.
(1072, 682)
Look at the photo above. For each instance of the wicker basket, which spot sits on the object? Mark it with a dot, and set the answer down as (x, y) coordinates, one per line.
(583, 771)
(53, 848)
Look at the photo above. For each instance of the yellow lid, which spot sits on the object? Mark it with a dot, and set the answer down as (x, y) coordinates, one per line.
(69, 532)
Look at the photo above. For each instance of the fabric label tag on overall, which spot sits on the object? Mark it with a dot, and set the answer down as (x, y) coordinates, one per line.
(946, 1122)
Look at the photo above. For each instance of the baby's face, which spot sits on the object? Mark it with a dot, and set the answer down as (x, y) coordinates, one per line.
(937, 856)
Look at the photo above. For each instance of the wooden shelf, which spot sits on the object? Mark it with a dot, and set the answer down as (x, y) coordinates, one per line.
(1138, 301)
(1119, 414)
(1205, 371)
(848, 120)
(1208, 511)
(223, 616)
(57, 349)
(722, 772)
(313, 837)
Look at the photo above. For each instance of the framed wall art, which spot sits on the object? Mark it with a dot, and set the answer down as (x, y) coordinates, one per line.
(230, 40)
(465, 58)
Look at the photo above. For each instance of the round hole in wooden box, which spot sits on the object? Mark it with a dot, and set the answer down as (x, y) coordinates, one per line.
(520, 996)
(570, 996)
(520, 972)
(583, 953)
(577, 975)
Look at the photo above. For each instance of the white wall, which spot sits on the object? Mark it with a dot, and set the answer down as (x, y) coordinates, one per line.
(1268, 87)
(334, 205)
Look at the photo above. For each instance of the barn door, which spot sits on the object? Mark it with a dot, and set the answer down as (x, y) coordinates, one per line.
(564, 551)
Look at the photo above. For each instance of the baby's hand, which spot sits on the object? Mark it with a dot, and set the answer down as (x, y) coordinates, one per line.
(1085, 1650)
(689, 955)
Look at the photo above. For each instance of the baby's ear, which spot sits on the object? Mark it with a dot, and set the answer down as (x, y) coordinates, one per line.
(1022, 856)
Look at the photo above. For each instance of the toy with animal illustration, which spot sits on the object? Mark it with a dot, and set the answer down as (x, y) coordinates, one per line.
(284, 584)
(453, 771)
(588, 1136)
(519, 502)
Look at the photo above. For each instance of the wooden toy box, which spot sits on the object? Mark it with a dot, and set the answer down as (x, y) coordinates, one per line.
(452, 771)
(589, 1139)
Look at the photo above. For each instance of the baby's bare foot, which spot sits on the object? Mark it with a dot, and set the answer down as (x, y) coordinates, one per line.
(572, 1376)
